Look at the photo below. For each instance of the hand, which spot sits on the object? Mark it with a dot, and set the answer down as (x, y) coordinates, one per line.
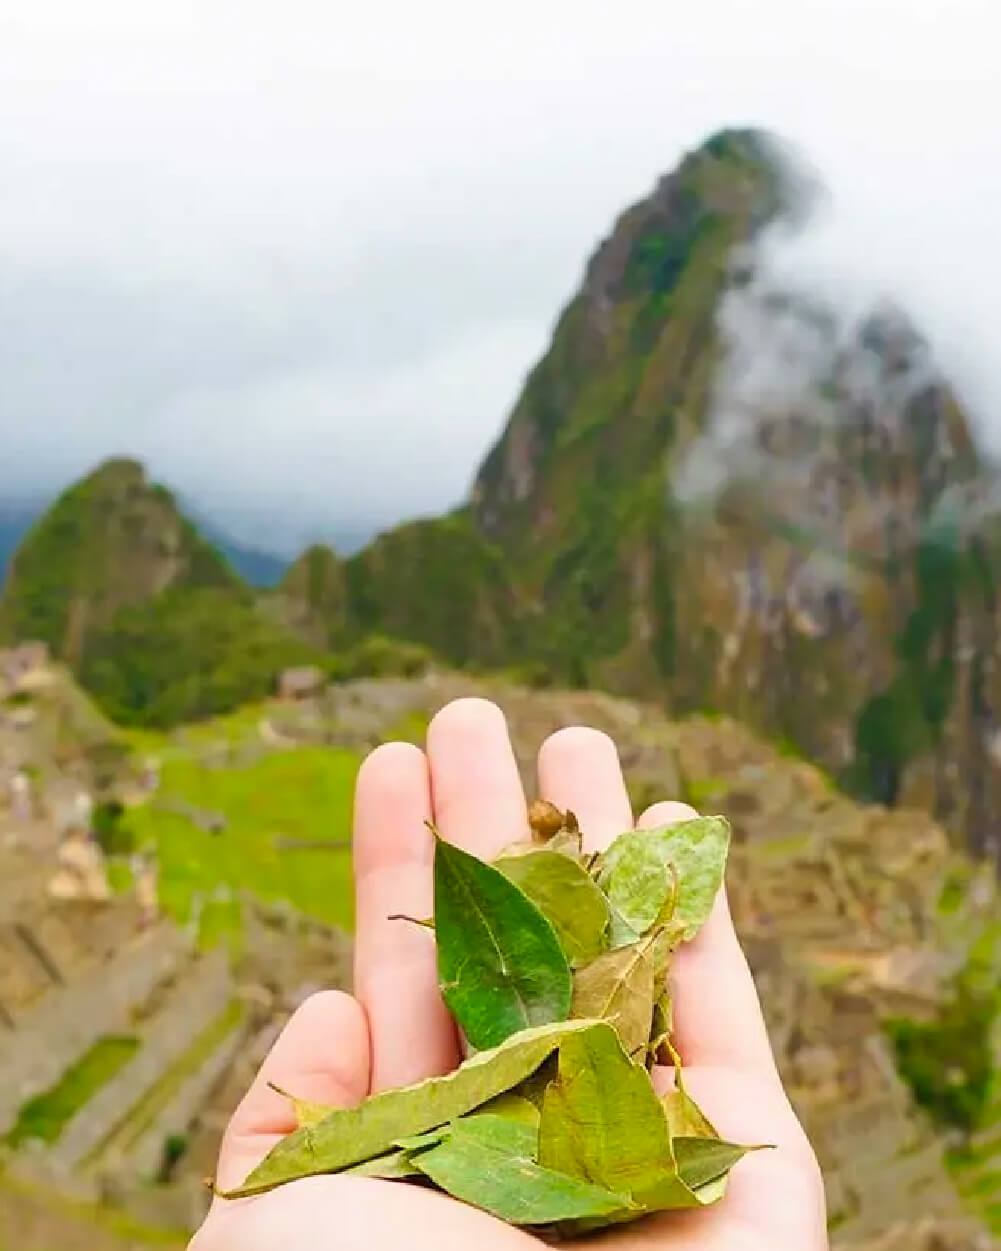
(337, 1049)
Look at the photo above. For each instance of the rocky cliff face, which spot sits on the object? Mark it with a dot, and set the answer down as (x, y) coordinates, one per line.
(575, 491)
(835, 593)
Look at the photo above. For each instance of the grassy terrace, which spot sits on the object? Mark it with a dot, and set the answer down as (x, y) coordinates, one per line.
(296, 795)
(45, 1116)
(274, 802)
(139, 1118)
(976, 1169)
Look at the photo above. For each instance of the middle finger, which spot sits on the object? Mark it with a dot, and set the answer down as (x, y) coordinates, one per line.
(579, 769)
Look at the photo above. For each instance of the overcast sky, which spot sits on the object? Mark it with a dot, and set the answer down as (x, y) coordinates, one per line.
(300, 256)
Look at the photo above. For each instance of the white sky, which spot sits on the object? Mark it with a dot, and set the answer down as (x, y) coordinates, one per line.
(300, 256)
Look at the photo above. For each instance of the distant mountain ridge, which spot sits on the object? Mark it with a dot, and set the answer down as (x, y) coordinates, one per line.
(259, 568)
(151, 617)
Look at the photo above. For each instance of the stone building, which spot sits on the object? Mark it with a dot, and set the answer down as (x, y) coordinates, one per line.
(21, 665)
(300, 683)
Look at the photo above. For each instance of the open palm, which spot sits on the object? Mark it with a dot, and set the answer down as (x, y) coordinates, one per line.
(337, 1049)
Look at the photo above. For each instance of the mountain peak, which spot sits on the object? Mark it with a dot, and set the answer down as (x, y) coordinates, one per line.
(111, 540)
(624, 348)
(120, 470)
(735, 178)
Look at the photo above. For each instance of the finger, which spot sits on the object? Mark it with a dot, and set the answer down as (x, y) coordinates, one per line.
(579, 769)
(322, 1055)
(718, 1019)
(476, 789)
(396, 977)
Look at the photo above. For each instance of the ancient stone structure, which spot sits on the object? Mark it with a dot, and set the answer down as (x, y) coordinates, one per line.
(22, 666)
(81, 873)
(145, 876)
(301, 683)
(86, 994)
(22, 805)
(103, 1130)
(74, 972)
(151, 775)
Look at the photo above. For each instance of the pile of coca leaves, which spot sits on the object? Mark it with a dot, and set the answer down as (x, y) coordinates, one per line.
(554, 963)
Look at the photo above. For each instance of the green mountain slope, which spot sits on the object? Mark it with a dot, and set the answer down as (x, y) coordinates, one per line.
(126, 591)
(15, 522)
(312, 597)
(111, 541)
(438, 582)
(567, 518)
(185, 654)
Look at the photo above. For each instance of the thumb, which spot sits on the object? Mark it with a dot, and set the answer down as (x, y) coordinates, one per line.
(322, 1055)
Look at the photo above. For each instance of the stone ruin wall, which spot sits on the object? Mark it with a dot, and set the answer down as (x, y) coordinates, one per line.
(38, 1047)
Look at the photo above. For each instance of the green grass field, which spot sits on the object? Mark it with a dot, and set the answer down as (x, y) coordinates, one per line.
(233, 728)
(299, 794)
